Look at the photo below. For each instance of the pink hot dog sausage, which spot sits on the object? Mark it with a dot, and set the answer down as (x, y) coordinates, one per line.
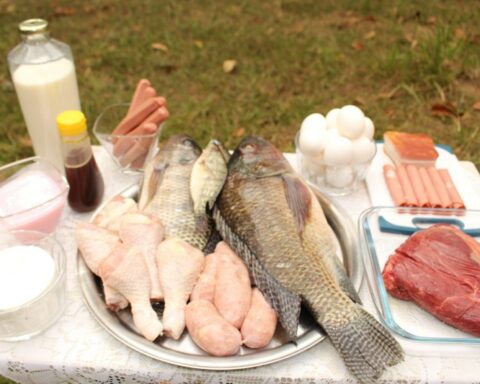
(394, 186)
(455, 197)
(439, 187)
(138, 97)
(138, 116)
(410, 199)
(432, 194)
(417, 185)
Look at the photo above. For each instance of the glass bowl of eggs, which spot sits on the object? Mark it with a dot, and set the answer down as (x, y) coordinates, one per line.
(335, 151)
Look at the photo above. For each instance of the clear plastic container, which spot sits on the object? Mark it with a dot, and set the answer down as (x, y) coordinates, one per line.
(21, 208)
(31, 318)
(43, 74)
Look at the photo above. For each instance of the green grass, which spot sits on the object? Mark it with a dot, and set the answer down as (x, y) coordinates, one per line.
(293, 58)
(395, 59)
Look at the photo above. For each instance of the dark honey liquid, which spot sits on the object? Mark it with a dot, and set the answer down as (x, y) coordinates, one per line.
(86, 186)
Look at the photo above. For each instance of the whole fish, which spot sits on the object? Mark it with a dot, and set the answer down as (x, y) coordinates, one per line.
(208, 176)
(165, 191)
(273, 221)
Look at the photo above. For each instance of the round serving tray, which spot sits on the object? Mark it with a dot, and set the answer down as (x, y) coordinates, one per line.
(184, 352)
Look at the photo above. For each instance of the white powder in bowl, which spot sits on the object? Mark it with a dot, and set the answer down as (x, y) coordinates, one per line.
(25, 272)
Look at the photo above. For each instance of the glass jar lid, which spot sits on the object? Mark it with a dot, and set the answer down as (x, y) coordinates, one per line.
(33, 26)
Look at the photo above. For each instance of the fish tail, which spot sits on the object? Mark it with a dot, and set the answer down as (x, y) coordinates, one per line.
(364, 344)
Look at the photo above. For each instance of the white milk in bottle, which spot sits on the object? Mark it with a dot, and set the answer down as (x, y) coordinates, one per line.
(43, 74)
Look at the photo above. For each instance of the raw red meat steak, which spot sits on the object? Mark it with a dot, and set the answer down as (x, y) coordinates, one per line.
(438, 268)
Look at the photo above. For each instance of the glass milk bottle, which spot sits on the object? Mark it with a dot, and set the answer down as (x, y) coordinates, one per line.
(43, 74)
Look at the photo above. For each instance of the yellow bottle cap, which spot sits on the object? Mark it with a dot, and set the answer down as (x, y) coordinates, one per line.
(71, 123)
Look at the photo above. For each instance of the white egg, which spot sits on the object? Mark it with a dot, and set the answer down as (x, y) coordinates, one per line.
(350, 121)
(369, 128)
(312, 134)
(363, 150)
(331, 118)
(338, 151)
(339, 177)
(331, 134)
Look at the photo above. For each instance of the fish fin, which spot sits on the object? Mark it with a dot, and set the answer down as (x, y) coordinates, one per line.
(286, 303)
(201, 222)
(298, 199)
(364, 344)
(337, 270)
(212, 242)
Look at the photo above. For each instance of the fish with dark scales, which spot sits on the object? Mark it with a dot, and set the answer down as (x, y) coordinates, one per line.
(165, 192)
(272, 220)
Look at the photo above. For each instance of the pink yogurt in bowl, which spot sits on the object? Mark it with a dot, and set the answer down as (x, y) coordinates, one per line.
(32, 195)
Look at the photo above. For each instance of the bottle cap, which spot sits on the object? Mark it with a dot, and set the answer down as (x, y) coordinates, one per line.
(71, 123)
(33, 26)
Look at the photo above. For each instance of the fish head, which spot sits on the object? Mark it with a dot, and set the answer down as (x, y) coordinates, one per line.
(180, 149)
(216, 147)
(257, 157)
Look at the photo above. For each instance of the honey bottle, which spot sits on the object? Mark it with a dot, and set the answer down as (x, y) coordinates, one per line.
(81, 170)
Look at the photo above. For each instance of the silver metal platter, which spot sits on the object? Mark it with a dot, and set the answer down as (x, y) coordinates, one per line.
(184, 352)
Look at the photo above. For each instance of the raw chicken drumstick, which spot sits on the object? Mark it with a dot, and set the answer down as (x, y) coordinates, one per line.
(125, 270)
(109, 216)
(95, 244)
(179, 265)
(145, 232)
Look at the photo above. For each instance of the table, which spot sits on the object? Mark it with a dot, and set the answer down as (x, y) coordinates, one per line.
(77, 349)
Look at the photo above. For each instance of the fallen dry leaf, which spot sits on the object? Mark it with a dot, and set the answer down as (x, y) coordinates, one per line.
(160, 47)
(410, 37)
(359, 101)
(431, 20)
(370, 18)
(459, 33)
(476, 105)
(64, 11)
(26, 141)
(370, 35)
(229, 66)
(88, 8)
(10, 8)
(358, 45)
(199, 43)
(239, 132)
(444, 109)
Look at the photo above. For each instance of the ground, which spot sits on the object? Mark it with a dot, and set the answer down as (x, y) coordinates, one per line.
(411, 66)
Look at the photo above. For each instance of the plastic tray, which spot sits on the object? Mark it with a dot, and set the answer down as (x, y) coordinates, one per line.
(405, 318)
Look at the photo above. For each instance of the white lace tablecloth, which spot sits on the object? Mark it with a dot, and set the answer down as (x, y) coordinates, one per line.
(76, 349)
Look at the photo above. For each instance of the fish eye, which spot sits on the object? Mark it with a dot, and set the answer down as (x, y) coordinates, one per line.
(188, 142)
(248, 148)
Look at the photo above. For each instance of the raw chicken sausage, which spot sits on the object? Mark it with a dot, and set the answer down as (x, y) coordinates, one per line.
(260, 323)
(232, 291)
(210, 331)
